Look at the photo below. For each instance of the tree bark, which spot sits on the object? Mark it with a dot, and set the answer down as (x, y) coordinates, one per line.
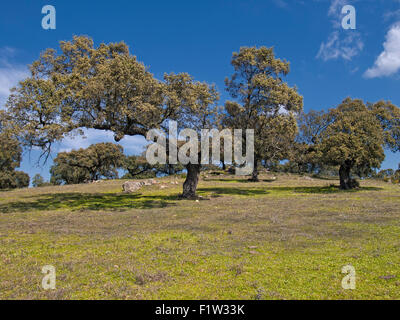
(346, 182)
(192, 179)
(254, 176)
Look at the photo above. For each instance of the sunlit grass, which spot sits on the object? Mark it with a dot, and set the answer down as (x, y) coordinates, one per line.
(283, 239)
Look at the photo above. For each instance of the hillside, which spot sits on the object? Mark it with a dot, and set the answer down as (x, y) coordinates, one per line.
(277, 239)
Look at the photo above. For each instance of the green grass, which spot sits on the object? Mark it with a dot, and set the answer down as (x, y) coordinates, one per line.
(283, 239)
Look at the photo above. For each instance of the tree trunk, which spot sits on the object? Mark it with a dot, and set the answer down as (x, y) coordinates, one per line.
(254, 176)
(346, 183)
(192, 179)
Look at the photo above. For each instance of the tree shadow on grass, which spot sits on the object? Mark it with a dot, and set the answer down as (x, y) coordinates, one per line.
(325, 178)
(122, 202)
(87, 201)
(325, 189)
(238, 180)
(219, 191)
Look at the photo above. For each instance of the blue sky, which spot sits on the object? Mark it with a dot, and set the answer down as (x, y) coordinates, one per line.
(328, 63)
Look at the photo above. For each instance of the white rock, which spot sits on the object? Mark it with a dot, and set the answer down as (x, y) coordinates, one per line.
(132, 186)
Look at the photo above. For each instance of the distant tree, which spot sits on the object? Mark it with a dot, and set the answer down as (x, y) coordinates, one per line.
(62, 173)
(13, 179)
(356, 137)
(263, 102)
(38, 181)
(21, 179)
(101, 160)
(276, 138)
(137, 167)
(397, 174)
(304, 151)
(387, 173)
(170, 169)
(97, 161)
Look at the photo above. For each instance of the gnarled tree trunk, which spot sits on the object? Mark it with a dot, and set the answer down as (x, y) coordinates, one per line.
(192, 179)
(254, 175)
(344, 174)
(346, 182)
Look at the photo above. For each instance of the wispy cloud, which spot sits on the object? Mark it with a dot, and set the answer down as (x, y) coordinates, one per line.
(340, 47)
(131, 144)
(336, 7)
(281, 3)
(388, 62)
(287, 4)
(389, 15)
(10, 73)
(340, 44)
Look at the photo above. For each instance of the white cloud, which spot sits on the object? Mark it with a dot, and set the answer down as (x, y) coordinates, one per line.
(131, 144)
(341, 44)
(336, 7)
(10, 73)
(345, 47)
(388, 62)
(9, 77)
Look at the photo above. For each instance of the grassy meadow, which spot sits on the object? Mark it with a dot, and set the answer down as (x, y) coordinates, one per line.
(276, 239)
